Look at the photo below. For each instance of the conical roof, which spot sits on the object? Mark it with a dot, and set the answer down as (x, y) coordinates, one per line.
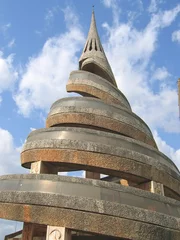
(93, 58)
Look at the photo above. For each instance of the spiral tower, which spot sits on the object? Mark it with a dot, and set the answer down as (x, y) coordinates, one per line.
(96, 132)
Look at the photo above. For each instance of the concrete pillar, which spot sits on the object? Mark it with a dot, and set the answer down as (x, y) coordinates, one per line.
(28, 231)
(92, 175)
(42, 167)
(58, 233)
(153, 187)
(157, 188)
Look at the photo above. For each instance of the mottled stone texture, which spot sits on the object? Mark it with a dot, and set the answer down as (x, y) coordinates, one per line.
(107, 164)
(97, 133)
(91, 222)
(94, 85)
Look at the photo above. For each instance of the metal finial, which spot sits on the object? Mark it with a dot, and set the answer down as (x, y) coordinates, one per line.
(93, 8)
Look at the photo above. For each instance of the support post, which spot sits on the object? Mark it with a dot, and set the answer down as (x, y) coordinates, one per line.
(58, 233)
(28, 231)
(157, 188)
(153, 187)
(42, 167)
(92, 175)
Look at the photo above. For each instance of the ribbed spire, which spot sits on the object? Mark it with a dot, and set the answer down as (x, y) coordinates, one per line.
(93, 58)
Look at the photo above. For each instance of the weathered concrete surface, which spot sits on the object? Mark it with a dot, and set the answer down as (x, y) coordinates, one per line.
(98, 141)
(97, 151)
(93, 112)
(84, 82)
(91, 203)
(106, 164)
(29, 190)
(92, 182)
(88, 222)
(93, 58)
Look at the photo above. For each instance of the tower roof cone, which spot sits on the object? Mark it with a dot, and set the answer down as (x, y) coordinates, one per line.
(93, 58)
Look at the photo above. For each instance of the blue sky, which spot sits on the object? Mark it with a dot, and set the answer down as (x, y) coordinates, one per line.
(41, 42)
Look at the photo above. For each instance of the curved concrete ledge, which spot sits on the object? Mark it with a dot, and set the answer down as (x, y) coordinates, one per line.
(87, 197)
(98, 65)
(88, 83)
(93, 112)
(107, 164)
(88, 222)
(94, 103)
(95, 183)
(70, 147)
(98, 141)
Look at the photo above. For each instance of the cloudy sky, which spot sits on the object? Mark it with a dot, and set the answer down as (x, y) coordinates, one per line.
(41, 42)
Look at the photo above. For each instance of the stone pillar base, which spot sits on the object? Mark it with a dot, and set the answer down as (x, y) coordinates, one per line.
(58, 233)
(42, 167)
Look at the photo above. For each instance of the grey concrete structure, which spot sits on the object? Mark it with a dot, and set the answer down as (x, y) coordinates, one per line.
(96, 132)
(93, 58)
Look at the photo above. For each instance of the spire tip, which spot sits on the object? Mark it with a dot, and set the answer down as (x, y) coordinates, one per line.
(92, 8)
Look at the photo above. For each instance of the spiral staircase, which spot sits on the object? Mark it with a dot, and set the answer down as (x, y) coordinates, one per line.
(97, 132)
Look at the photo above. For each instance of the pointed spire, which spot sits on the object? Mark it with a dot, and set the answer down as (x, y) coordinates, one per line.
(93, 58)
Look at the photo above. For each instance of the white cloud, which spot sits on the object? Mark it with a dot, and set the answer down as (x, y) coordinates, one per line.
(39, 33)
(46, 74)
(109, 3)
(4, 28)
(167, 150)
(32, 129)
(153, 6)
(115, 9)
(11, 43)
(176, 36)
(130, 51)
(9, 154)
(167, 17)
(49, 16)
(8, 74)
(160, 74)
